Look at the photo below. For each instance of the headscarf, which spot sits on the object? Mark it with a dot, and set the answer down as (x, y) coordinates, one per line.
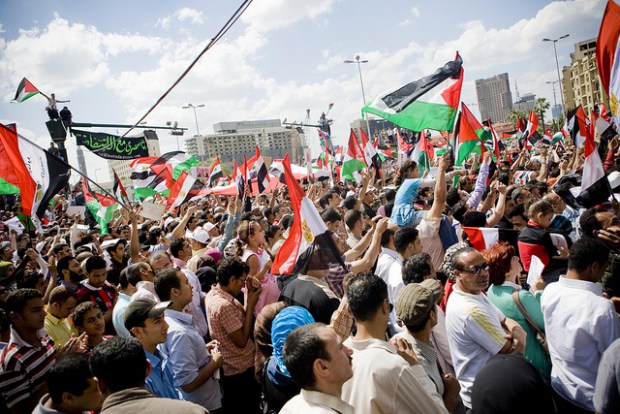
(215, 254)
(285, 322)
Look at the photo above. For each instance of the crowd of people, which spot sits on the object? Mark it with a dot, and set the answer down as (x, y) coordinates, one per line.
(418, 299)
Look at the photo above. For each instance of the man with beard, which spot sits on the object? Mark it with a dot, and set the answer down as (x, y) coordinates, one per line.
(70, 272)
(61, 304)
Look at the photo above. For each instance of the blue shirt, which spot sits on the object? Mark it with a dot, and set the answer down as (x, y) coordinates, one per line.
(187, 353)
(160, 381)
(403, 211)
(118, 315)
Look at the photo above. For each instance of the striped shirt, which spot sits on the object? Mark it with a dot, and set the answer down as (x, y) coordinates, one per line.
(23, 367)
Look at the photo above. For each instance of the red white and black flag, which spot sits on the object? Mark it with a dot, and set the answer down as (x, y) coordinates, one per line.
(215, 173)
(119, 190)
(595, 187)
(262, 175)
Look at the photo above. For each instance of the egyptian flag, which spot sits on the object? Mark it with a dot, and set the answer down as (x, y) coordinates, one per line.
(578, 125)
(532, 125)
(215, 172)
(184, 188)
(118, 189)
(240, 178)
(483, 238)
(608, 56)
(307, 232)
(521, 124)
(595, 187)
(262, 175)
(40, 174)
(370, 153)
(25, 91)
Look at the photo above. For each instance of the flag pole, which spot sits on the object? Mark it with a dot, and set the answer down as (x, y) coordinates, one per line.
(76, 170)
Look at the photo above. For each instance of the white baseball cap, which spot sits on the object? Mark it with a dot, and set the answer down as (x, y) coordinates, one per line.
(201, 236)
(209, 226)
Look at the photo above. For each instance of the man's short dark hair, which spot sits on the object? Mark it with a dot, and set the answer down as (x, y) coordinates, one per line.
(366, 293)
(351, 218)
(95, 263)
(516, 211)
(403, 237)
(230, 267)
(286, 221)
(70, 373)
(165, 281)
(63, 264)
(474, 218)
(301, 348)
(330, 215)
(16, 301)
(416, 268)
(349, 202)
(120, 363)
(176, 246)
(59, 247)
(588, 223)
(134, 274)
(60, 294)
(385, 237)
(585, 252)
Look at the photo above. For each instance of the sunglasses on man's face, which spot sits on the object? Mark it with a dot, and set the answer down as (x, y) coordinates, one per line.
(476, 269)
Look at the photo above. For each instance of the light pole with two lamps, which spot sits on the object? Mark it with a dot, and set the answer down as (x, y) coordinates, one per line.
(557, 65)
(359, 62)
(189, 105)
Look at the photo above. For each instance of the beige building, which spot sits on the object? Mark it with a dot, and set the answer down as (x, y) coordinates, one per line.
(122, 167)
(581, 84)
(494, 97)
(233, 140)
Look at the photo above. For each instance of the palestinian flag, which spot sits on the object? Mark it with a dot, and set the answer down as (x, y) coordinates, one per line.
(404, 149)
(153, 184)
(608, 56)
(467, 134)
(338, 156)
(262, 175)
(101, 207)
(118, 190)
(429, 102)
(595, 188)
(530, 129)
(497, 144)
(25, 91)
(423, 153)
(354, 160)
(9, 181)
(215, 173)
(40, 174)
(184, 188)
(176, 161)
(142, 176)
(483, 238)
(308, 231)
(240, 175)
(370, 153)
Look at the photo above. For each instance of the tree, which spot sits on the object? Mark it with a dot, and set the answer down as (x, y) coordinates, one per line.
(514, 114)
(540, 107)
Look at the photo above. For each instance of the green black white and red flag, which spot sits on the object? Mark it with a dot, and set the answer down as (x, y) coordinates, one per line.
(25, 91)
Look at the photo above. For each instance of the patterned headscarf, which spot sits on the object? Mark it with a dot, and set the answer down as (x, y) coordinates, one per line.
(285, 322)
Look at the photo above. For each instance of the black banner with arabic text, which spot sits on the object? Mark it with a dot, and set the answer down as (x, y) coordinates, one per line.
(112, 147)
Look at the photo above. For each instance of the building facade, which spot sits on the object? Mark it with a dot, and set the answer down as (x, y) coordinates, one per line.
(232, 140)
(494, 97)
(525, 103)
(581, 83)
(122, 167)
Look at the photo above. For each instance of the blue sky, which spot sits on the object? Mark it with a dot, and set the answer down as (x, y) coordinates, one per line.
(113, 59)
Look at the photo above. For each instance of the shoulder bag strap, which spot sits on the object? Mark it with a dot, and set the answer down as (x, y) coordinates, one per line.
(528, 318)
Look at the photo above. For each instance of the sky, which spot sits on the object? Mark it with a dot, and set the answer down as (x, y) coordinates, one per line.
(114, 59)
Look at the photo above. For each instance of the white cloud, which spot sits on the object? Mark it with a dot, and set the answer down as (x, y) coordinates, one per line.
(184, 14)
(415, 11)
(266, 15)
(405, 22)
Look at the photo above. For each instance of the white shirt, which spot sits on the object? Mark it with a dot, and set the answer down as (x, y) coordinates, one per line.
(383, 382)
(439, 338)
(145, 290)
(475, 334)
(580, 324)
(314, 402)
(200, 319)
(394, 285)
(386, 258)
(431, 242)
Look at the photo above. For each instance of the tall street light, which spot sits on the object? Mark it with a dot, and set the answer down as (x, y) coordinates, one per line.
(359, 70)
(557, 65)
(189, 105)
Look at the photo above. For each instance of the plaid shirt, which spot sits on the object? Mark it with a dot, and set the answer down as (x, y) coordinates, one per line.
(23, 367)
(226, 315)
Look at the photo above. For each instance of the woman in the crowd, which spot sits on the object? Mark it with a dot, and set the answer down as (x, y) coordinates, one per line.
(504, 270)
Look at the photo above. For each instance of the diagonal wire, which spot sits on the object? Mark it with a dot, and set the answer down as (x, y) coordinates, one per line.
(229, 24)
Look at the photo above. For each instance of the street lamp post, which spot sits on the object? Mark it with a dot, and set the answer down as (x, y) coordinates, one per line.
(189, 105)
(557, 65)
(359, 70)
(555, 102)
